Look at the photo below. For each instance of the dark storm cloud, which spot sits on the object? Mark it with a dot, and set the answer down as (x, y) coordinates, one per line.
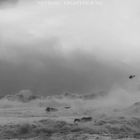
(52, 72)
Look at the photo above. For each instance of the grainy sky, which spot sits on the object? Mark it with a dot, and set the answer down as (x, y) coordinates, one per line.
(52, 46)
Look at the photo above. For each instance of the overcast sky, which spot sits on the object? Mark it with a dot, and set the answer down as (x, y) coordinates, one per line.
(52, 46)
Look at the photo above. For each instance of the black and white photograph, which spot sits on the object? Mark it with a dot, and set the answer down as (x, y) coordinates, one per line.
(69, 69)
